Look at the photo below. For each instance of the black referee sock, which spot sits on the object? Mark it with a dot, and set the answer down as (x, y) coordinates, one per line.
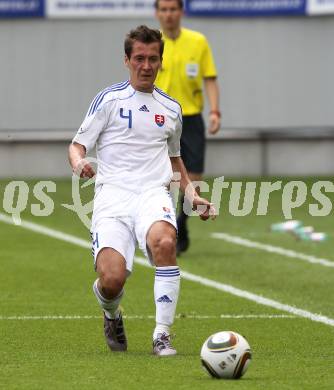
(182, 219)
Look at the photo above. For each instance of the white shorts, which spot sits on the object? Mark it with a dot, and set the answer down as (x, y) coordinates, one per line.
(122, 218)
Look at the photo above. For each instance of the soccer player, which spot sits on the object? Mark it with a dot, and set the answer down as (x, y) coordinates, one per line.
(187, 63)
(136, 129)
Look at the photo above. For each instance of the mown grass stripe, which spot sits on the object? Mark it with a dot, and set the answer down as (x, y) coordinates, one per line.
(149, 317)
(272, 249)
(185, 275)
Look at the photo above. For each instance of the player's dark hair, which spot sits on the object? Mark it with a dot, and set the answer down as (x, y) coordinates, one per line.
(179, 2)
(143, 34)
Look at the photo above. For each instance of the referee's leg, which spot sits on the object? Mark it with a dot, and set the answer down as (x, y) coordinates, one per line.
(193, 154)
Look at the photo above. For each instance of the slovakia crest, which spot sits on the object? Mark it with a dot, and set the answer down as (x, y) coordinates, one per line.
(159, 120)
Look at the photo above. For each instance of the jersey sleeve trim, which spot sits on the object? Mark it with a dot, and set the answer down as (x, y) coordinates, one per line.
(174, 154)
(176, 111)
(166, 96)
(170, 109)
(99, 98)
(77, 140)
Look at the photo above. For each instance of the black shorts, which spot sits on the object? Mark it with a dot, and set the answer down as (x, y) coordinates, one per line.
(193, 143)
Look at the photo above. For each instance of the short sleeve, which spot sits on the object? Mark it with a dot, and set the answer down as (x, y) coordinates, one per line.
(91, 128)
(207, 62)
(174, 149)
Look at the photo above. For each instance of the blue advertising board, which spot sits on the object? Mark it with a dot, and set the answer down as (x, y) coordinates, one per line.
(21, 8)
(245, 7)
(140, 8)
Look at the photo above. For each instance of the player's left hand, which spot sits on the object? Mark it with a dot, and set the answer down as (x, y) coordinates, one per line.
(204, 208)
(214, 122)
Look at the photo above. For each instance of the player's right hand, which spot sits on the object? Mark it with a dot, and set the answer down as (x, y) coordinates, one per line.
(84, 169)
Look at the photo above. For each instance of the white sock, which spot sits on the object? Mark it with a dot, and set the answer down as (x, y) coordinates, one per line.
(166, 293)
(109, 306)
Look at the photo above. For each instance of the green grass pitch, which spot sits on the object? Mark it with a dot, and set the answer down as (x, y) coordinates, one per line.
(43, 276)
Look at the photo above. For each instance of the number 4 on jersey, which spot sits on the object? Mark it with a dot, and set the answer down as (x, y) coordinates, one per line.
(129, 117)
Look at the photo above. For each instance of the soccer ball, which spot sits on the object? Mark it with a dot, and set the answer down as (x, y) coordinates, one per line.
(226, 355)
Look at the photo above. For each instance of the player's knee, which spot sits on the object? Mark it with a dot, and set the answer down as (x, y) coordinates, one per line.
(112, 283)
(164, 246)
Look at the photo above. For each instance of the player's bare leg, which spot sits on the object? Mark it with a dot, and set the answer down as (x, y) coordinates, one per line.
(108, 289)
(161, 241)
(183, 235)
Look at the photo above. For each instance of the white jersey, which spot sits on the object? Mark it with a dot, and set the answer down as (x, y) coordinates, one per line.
(135, 133)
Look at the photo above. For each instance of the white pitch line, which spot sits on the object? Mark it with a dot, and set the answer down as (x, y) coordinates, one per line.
(185, 275)
(150, 317)
(272, 249)
(47, 231)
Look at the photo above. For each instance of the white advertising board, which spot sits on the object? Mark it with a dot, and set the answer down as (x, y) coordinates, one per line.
(320, 7)
(99, 8)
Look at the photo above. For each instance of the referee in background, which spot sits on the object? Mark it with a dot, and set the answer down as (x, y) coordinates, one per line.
(187, 65)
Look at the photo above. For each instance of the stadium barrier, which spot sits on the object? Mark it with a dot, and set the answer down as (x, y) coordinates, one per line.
(233, 152)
